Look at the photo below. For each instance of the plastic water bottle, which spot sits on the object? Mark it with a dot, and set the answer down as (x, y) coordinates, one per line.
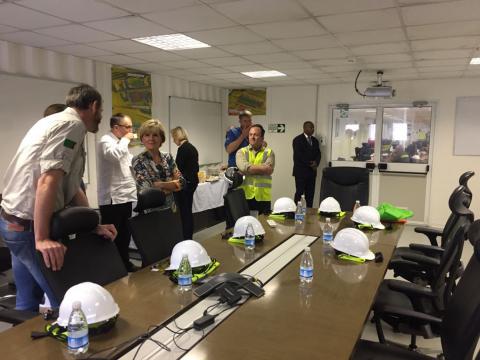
(304, 205)
(327, 232)
(299, 213)
(184, 274)
(306, 267)
(249, 237)
(356, 206)
(77, 330)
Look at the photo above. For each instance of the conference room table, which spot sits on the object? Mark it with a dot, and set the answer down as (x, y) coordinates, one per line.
(288, 321)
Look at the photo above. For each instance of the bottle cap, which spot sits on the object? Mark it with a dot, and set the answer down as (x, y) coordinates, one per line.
(76, 305)
(327, 219)
(307, 248)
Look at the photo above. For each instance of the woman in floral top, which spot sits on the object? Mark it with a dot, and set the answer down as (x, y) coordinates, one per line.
(154, 168)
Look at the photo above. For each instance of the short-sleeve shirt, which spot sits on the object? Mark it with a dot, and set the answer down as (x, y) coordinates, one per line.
(54, 142)
(146, 172)
(232, 135)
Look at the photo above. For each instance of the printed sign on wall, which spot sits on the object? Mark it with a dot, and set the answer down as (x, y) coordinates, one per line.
(254, 100)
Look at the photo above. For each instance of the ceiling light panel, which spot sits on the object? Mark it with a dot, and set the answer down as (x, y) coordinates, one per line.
(172, 42)
(475, 61)
(263, 74)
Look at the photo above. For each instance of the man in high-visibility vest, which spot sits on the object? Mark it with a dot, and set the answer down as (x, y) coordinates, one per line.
(256, 161)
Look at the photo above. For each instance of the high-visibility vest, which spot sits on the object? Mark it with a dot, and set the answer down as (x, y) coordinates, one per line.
(257, 186)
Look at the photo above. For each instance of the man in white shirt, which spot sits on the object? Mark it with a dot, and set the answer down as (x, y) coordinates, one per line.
(43, 177)
(116, 187)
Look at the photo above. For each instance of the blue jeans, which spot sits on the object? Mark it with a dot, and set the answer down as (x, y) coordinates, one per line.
(29, 280)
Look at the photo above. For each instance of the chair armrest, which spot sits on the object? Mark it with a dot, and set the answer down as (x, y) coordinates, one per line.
(430, 232)
(410, 314)
(422, 259)
(427, 249)
(410, 289)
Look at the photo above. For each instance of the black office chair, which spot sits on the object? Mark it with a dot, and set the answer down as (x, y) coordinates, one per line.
(156, 232)
(416, 263)
(345, 184)
(236, 206)
(459, 327)
(89, 257)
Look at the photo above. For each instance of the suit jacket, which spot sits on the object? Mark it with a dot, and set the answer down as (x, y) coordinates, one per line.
(303, 153)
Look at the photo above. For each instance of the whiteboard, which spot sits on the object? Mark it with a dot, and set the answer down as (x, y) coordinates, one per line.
(22, 102)
(203, 122)
(467, 126)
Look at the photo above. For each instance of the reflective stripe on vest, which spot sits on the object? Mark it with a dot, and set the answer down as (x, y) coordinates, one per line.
(257, 186)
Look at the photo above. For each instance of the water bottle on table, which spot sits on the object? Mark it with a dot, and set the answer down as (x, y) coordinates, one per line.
(306, 267)
(184, 274)
(249, 237)
(304, 206)
(77, 330)
(299, 217)
(327, 231)
(357, 205)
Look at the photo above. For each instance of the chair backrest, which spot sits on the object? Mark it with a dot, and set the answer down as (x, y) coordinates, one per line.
(463, 180)
(89, 257)
(155, 234)
(458, 203)
(345, 184)
(461, 323)
(236, 206)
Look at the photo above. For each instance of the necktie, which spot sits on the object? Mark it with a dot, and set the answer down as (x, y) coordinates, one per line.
(310, 140)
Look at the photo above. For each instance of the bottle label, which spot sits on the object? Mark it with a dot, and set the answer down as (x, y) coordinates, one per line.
(184, 280)
(299, 217)
(327, 236)
(77, 339)
(306, 272)
(249, 241)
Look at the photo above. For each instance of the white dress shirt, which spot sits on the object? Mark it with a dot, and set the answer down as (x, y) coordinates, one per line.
(115, 183)
(54, 142)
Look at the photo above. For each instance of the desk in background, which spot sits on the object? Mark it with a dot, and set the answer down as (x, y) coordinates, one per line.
(207, 205)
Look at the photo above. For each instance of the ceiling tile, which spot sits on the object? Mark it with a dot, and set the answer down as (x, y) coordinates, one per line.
(231, 60)
(441, 75)
(282, 66)
(4, 29)
(443, 30)
(386, 58)
(300, 73)
(76, 33)
(204, 53)
(441, 68)
(277, 57)
(386, 48)
(80, 50)
(154, 67)
(446, 43)
(211, 70)
(441, 12)
(391, 66)
(370, 20)
(244, 68)
(307, 43)
(419, 2)
(251, 12)
(288, 29)
(389, 73)
(233, 35)
(331, 62)
(230, 76)
(192, 18)
(444, 62)
(130, 27)
(441, 54)
(326, 7)
(33, 39)
(123, 46)
(341, 68)
(199, 78)
(85, 10)
(116, 59)
(332, 53)
(147, 6)
(183, 74)
(21, 17)
(186, 64)
(371, 37)
(263, 47)
(157, 56)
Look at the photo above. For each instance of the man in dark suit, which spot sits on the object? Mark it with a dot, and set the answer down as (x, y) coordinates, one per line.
(306, 157)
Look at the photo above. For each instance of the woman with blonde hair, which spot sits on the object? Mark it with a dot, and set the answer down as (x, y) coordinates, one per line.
(153, 168)
(187, 162)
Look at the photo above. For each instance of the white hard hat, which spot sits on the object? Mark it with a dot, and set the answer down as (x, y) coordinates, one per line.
(97, 304)
(284, 205)
(242, 223)
(329, 205)
(353, 242)
(197, 255)
(368, 215)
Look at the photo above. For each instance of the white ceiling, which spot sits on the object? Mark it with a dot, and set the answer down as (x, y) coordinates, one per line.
(312, 41)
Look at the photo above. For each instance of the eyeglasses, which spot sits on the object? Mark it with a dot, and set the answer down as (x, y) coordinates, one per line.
(126, 126)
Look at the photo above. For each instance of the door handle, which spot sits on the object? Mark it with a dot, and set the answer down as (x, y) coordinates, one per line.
(382, 166)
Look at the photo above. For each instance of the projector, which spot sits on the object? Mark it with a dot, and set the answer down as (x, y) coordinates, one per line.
(379, 90)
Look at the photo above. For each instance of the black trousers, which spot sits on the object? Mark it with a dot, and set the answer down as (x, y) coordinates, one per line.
(263, 207)
(185, 201)
(118, 215)
(305, 185)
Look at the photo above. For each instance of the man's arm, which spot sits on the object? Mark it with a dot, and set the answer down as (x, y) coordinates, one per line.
(263, 169)
(47, 186)
(235, 144)
(80, 199)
